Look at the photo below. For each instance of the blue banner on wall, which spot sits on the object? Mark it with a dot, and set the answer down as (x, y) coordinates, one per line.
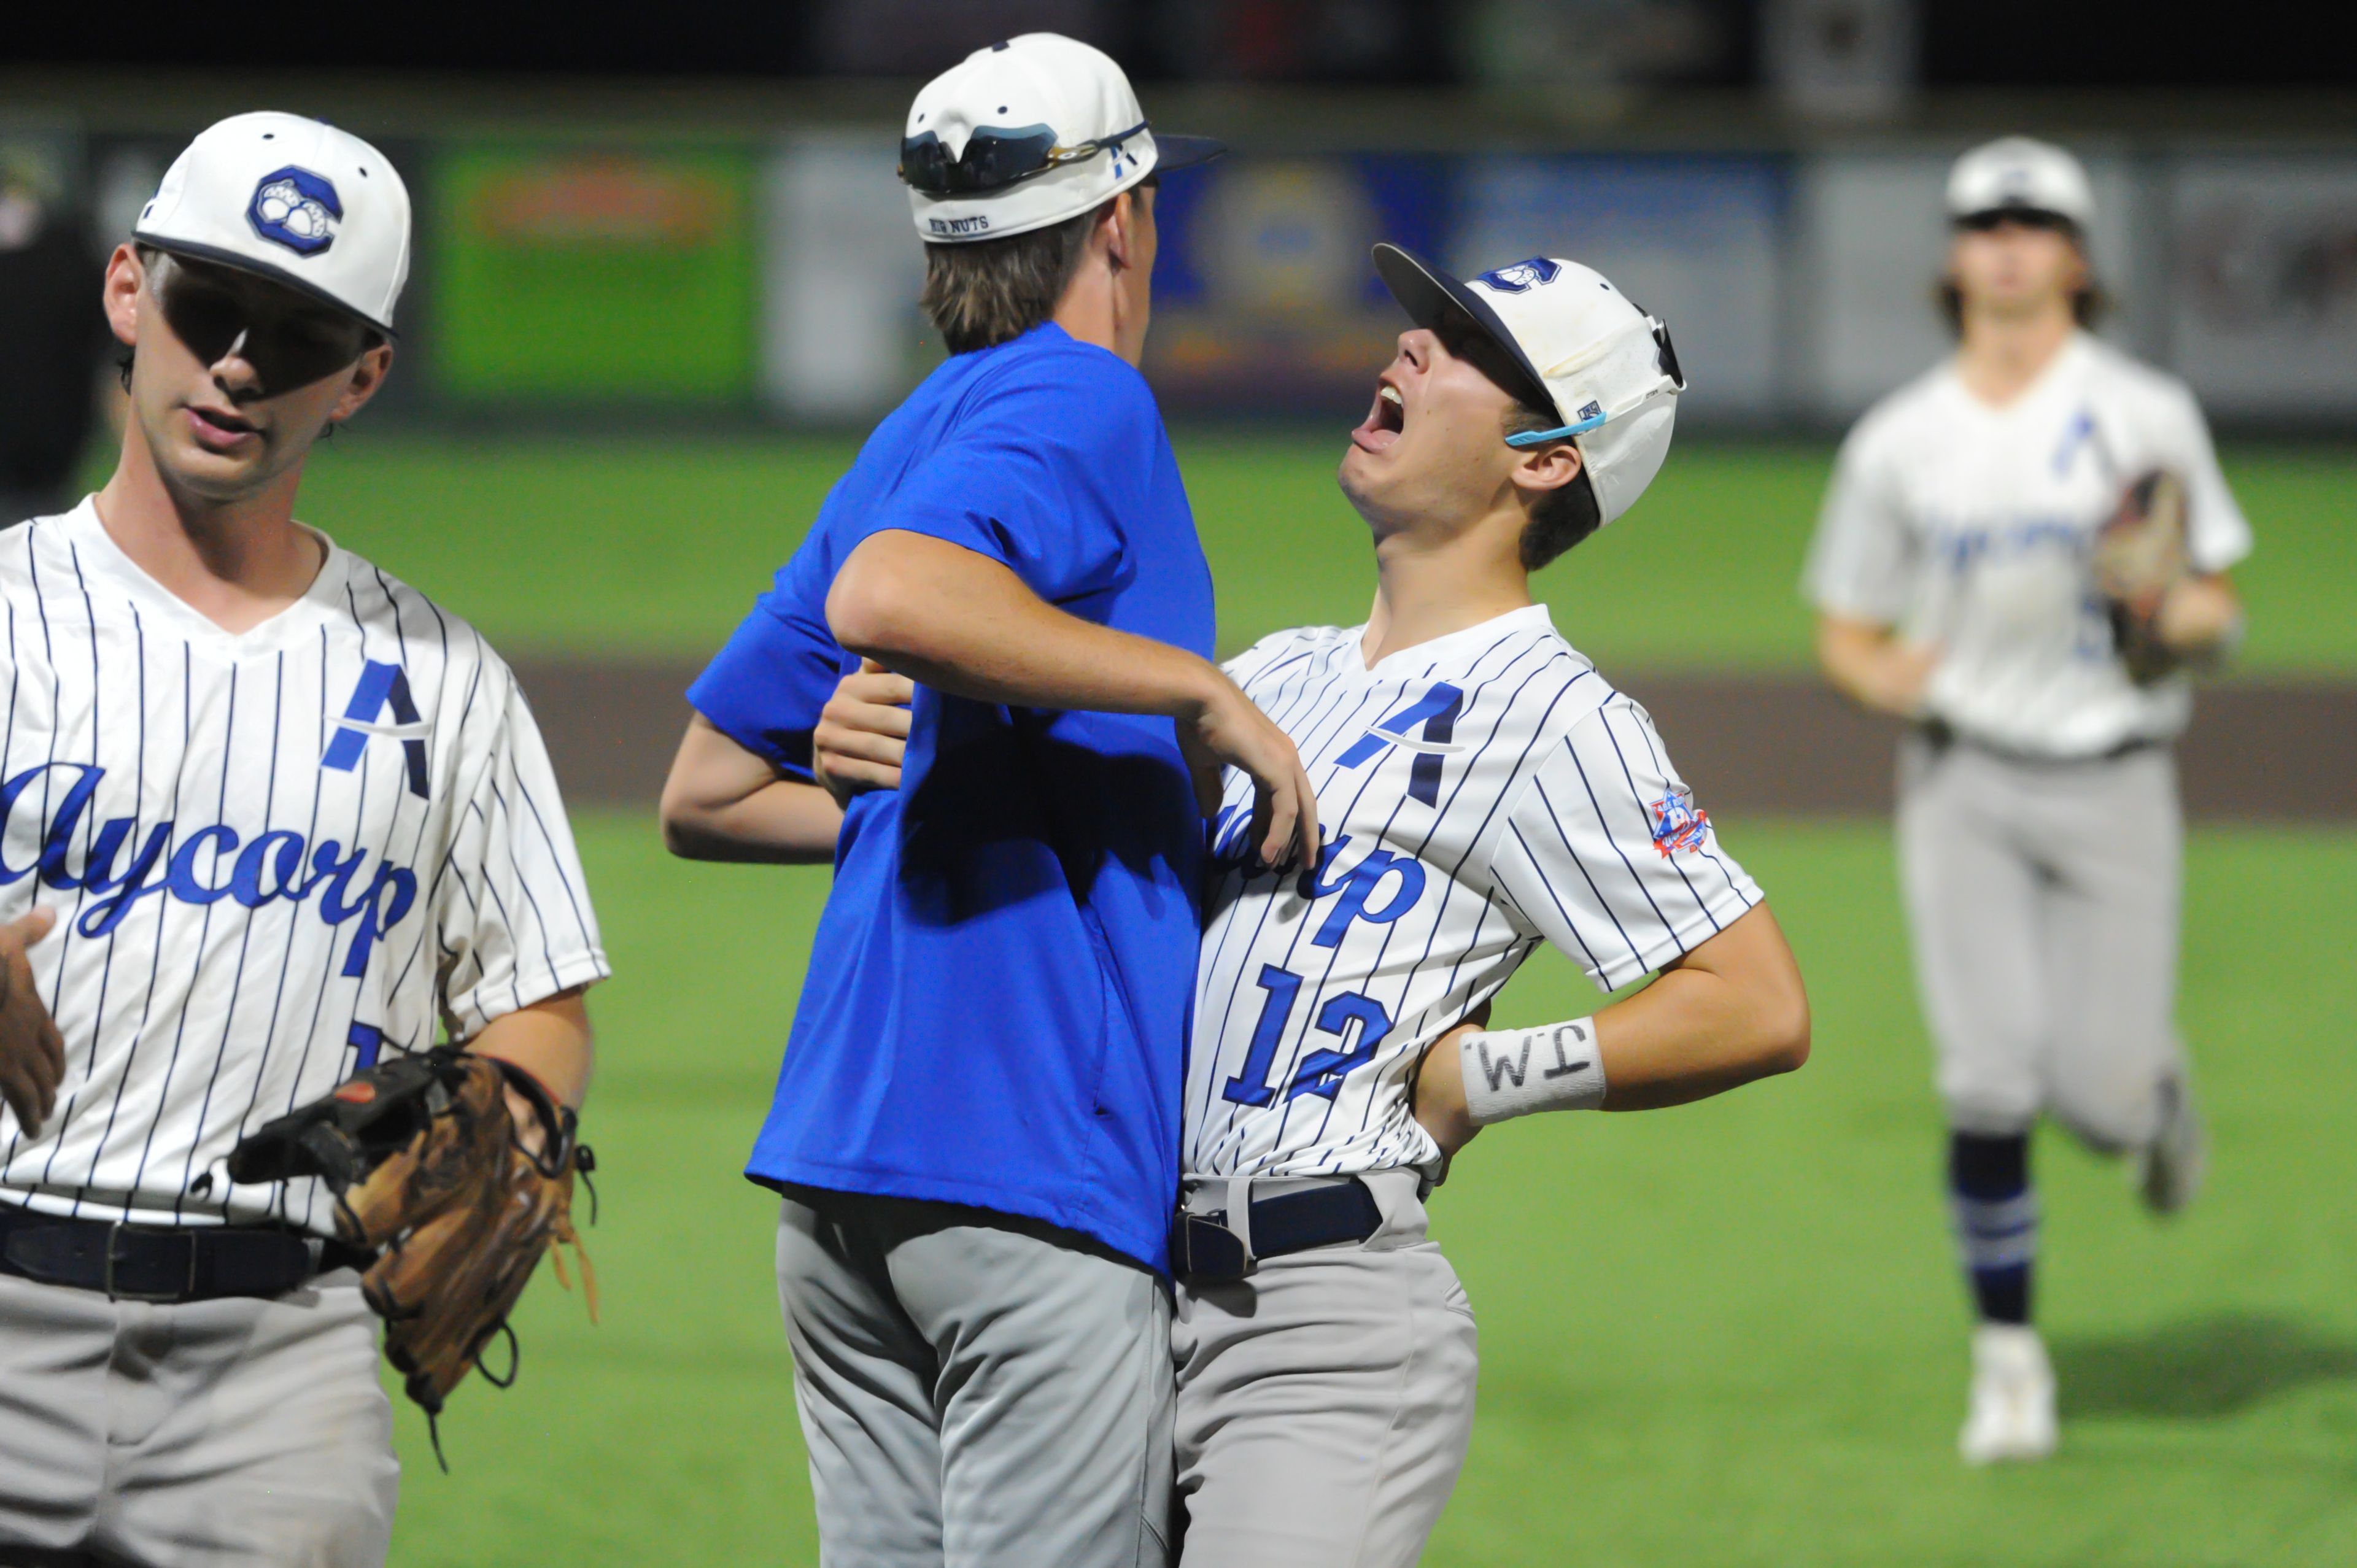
(1265, 297)
(1696, 241)
(1266, 301)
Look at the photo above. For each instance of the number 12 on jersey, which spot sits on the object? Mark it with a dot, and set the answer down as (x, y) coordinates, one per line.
(1356, 1020)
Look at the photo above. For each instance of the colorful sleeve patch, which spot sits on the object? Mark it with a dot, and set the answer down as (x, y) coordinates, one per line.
(1678, 823)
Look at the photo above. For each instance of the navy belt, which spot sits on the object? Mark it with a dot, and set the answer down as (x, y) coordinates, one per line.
(1205, 1247)
(163, 1264)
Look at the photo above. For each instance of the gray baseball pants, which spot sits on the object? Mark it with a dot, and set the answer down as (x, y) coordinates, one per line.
(217, 1432)
(975, 1392)
(1325, 1399)
(2043, 899)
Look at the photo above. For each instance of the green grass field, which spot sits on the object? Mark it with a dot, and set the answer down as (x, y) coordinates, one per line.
(646, 546)
(1723, 1336)
(1728, 1335)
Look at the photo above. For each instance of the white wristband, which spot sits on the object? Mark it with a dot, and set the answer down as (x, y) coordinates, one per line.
(1512, 1072)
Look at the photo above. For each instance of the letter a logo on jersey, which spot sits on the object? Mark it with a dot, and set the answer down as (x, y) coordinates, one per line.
(381, 685)
(1437, 712)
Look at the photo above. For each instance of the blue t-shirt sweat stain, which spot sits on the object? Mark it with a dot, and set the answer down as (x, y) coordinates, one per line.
(998, 1004)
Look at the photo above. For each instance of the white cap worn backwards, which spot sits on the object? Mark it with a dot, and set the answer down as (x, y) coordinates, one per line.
(1605, 366)
(2015, 174)
(1025, 134)
(295, 200)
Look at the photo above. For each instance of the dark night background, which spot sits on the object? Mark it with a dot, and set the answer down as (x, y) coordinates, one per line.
(1965, 44)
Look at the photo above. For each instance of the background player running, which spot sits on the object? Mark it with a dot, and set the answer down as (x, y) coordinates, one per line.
(266, 812)
(2040, 841)
(1484, 789)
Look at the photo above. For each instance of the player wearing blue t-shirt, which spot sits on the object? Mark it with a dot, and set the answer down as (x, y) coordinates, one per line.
(976, 1123)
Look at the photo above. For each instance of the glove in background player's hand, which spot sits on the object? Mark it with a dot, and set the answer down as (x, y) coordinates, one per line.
(434, 1173)
(2140, 556)
(32, 1052)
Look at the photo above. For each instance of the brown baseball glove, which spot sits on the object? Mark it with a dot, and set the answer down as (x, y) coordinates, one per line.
(2139, 554)
(433, 1173)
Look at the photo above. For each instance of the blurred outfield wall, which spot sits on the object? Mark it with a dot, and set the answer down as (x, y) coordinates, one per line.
(771, 274)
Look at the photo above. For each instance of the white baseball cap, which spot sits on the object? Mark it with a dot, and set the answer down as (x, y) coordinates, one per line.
(1606, 368)
(1028, 133)
(2018, 174)
(293, 199)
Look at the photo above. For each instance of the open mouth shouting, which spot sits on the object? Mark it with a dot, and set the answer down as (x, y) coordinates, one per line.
(1384, 420)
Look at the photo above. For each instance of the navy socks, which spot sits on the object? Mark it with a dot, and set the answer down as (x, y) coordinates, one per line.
(1997, 1221)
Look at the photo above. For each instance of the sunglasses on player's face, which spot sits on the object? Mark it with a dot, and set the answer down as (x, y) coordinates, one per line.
(2020, 218)
(289, 341)
(994, 159)
(1469, 341)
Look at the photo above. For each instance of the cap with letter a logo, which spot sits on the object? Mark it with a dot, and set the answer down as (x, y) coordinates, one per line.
(295, 200)
(1606, 368)
(1028, 133)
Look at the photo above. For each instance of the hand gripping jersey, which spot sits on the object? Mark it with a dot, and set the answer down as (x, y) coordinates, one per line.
(1478, 794)
(1971, 526)
(272, 856)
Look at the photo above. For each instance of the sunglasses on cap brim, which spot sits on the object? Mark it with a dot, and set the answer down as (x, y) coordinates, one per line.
(994, 159)
(289, 341)
(1665, 356)
(2020, 217)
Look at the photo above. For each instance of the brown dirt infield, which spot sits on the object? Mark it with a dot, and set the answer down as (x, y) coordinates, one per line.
(2257, 751)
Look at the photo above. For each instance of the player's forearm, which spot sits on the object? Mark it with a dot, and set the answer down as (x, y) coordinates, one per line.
(784, 823)
(1873, 666)
(1728, 1011)
(551, 1039)
(963, 624)
(723, 802)
(1731, 1011)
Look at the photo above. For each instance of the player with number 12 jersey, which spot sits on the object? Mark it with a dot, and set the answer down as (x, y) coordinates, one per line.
(1487, 790)
(1481, 789)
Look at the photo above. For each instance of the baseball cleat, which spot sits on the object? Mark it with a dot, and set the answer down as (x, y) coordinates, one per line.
(2012, 1413)
(2169, 1169)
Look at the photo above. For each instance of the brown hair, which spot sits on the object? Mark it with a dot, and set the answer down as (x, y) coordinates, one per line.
(988, 292)
(1562, 517)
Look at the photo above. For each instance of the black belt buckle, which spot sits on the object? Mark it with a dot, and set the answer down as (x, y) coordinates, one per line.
(115, 1257)
(1203, 1248)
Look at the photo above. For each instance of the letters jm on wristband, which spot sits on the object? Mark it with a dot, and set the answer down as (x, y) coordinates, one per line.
(1513, 1072)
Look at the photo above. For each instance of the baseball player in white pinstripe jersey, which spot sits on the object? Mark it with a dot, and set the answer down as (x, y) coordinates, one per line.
(1482, 790)
(265, 813)
(1960, 582)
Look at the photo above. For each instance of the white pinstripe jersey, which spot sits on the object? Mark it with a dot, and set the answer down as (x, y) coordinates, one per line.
(1972, 527)
(1478, 794)
(271, 855)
